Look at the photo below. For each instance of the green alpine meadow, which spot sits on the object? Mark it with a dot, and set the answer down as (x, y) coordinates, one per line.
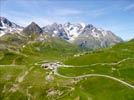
(66, 50)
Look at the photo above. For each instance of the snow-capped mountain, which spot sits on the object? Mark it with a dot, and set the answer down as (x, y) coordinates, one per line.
(67, 31)
(92, 37)
(56, 30)
(7, 26)
(73, 30)
(84, 35)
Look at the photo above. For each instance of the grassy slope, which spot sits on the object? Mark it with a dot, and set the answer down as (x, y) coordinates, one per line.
(114, 54)
(25, 58)
(102, 88)
(35, 84)
(53, 49)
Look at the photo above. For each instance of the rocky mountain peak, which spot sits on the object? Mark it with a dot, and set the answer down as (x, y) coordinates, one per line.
(90, 26)
(33, 23)
(32, 28)
(67, 24)
(85, 35)
(7, 26)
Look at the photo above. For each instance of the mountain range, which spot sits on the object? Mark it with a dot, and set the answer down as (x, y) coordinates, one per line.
(58, 62)
(83, 35)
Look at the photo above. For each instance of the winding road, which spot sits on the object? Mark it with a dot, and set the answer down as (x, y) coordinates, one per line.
(97, 75)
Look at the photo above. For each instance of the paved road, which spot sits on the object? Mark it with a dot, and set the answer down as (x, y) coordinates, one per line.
(95, 75)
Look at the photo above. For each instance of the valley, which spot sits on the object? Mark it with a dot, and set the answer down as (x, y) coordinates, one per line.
(83, 77)
(64, 62)
(66, 50)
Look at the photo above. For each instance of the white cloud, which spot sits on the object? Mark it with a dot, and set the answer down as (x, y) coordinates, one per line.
(97, 12)
(66, 12)
(129, 7)
(73, 12)
(24, 19)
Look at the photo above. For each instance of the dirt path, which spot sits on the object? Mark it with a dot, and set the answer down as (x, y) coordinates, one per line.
(10, 65)
(19, 79)
(123, 60)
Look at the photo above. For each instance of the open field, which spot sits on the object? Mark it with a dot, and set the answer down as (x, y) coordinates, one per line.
(100, 75)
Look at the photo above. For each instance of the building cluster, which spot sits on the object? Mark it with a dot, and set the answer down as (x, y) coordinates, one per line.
(51, 65)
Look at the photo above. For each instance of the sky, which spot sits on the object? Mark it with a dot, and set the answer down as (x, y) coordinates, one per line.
(114, 15)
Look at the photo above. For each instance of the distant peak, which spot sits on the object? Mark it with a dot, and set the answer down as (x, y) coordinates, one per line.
(67, 24)
(89, 26)
(32, 28)
(33, 23)
(2, 17)
(54, 24)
